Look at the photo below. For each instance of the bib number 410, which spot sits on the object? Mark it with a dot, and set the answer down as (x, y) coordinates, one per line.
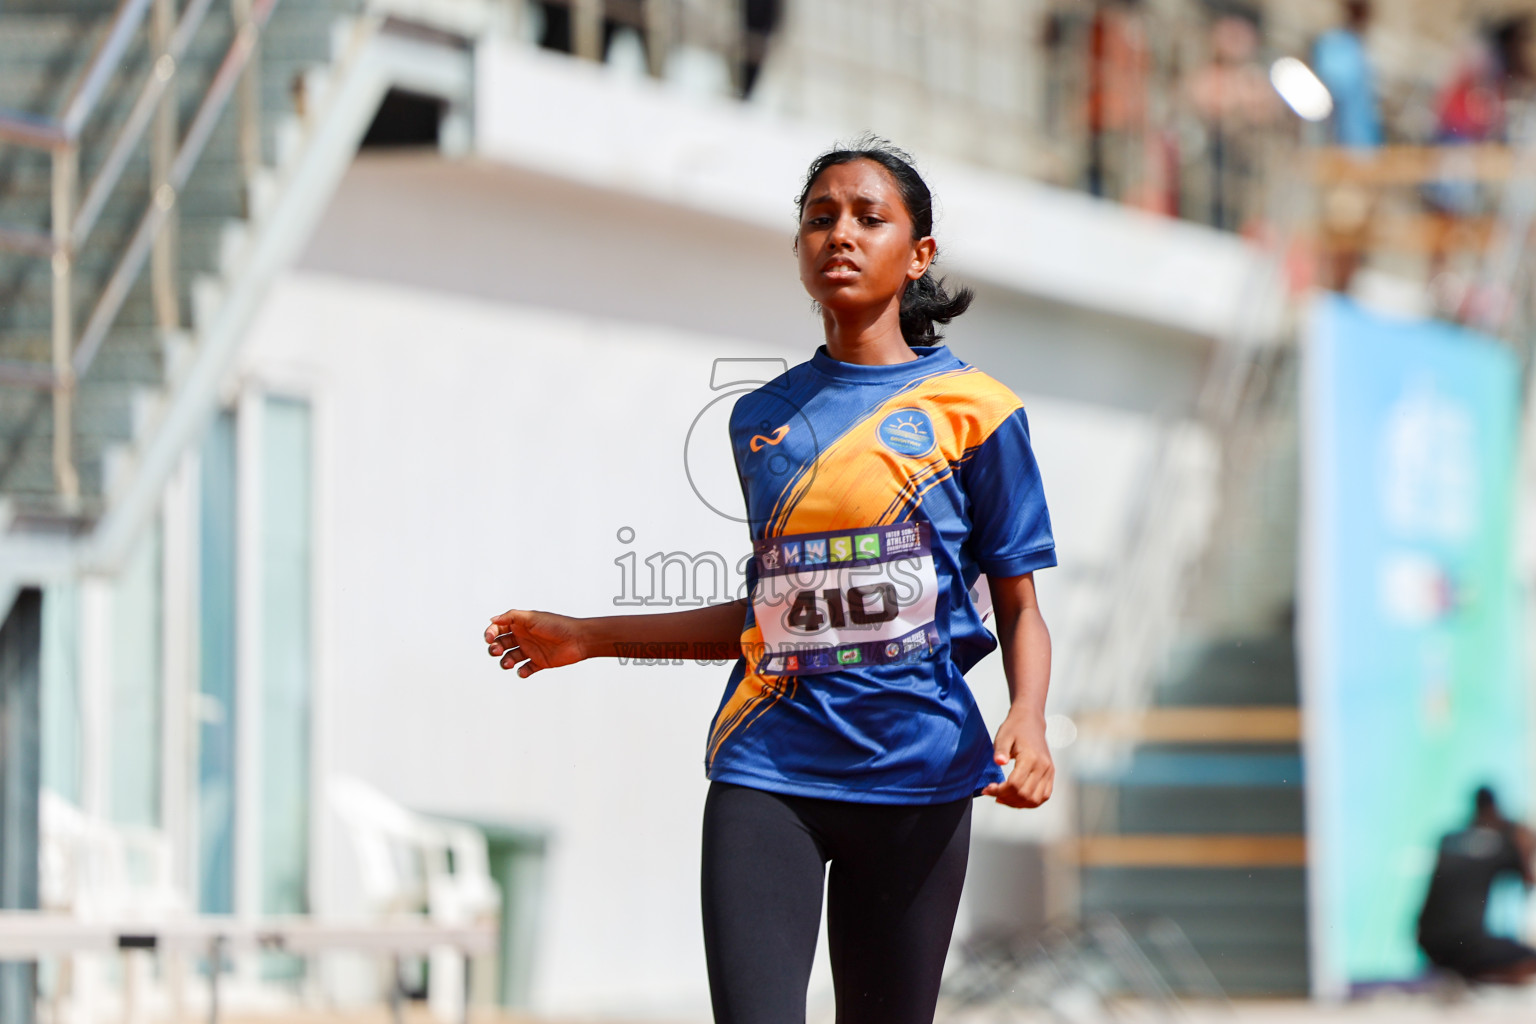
(868, 605)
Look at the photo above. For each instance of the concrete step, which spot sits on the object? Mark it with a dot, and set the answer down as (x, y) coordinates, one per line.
(41, 56)
(37, 348)
(26, 308)
(31, 172)
(214, 191)
(197, 235)
(96, 8)
(104, 407)
(56, 29)
(136, 314)
(32, 178)
(1204, 768)
(53, 50)
(1178, 810)
(1195, 725)
(56, 47)
(1249, 924)
(26, 472)
(28, 192)
(1143, 890)
(26, 304)
(1231, 672)
(276, 94)
(197, 241)
(104, 420)
(38, 92)
(1212, 850)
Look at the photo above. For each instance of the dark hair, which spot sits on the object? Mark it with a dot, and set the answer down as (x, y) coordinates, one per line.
(1484, 800)
(924, 302)
(1509, 40)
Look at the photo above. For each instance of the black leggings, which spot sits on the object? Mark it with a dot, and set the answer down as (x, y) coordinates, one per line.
(892, 894)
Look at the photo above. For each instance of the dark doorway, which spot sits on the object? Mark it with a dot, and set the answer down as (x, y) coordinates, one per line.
(21, 639)
(405, 119)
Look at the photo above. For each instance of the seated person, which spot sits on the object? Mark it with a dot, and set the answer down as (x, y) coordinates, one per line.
(1452, 928)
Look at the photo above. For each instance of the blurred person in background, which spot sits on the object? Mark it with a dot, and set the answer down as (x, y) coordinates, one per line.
(1490, 83)
(1491, 71)
(759, 19)
(1453, 930)
(1341, 60)
(847, 734)
(1233, 98)
(1117, 96)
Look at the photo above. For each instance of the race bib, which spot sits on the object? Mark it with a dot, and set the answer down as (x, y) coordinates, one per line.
(828, 601)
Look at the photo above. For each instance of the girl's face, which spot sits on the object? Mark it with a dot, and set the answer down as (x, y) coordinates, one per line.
(855, 242)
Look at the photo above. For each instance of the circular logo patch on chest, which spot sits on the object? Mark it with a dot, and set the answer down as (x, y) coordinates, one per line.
(907, 432)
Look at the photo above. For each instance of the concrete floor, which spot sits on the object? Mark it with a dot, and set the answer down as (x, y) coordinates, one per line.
(1503, 1007)
(1492, 1007)
(422, 1017)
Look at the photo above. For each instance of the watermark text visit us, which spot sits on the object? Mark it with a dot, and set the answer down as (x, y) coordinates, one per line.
(681, 579)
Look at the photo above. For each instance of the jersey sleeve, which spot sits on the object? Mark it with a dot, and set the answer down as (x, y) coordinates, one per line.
(1010, 524)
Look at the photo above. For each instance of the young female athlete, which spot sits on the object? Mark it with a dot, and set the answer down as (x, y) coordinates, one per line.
(881, 478)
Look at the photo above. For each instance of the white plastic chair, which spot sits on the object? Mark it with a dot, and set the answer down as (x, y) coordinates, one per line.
(413, 864)
(94, 870)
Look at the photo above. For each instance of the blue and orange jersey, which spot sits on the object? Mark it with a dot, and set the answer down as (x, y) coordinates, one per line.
(876, 497)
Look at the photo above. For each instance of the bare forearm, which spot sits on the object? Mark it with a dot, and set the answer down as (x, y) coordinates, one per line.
(1026, 650)
(709, 633)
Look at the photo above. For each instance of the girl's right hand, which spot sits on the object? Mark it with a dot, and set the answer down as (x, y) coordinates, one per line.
(534, 640)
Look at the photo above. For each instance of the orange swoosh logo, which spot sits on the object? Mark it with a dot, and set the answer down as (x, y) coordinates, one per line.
(778, 435)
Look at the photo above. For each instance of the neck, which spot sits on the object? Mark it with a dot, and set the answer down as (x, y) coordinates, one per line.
(871, 337)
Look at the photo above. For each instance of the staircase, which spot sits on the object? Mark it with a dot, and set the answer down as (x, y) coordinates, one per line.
(1199, 820)
(1203, 825)
(46, 44)
(148, 368)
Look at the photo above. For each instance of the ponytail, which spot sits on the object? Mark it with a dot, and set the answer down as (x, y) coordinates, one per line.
(925, 303)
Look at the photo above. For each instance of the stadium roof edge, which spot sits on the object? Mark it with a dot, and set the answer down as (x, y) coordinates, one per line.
(580, 121)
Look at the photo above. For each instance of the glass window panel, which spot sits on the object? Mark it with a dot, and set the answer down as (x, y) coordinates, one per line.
(216, 671)
(285, 655)
(61, 692)
(133, 787)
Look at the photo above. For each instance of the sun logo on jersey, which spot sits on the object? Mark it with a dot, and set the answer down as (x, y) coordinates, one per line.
(907, 432)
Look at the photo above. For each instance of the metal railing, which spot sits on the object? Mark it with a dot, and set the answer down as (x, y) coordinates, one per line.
(74, 215)
(1096, 964)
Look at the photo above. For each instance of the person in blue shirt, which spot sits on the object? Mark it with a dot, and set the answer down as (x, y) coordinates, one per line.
(883, 479)
(1341, 61)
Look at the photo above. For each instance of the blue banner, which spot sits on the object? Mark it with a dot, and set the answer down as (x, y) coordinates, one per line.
(1412, 688)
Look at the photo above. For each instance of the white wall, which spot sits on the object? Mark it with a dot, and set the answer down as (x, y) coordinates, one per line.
(480, 457)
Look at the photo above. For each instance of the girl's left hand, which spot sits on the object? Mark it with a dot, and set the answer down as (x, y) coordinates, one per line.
(1021, 739)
